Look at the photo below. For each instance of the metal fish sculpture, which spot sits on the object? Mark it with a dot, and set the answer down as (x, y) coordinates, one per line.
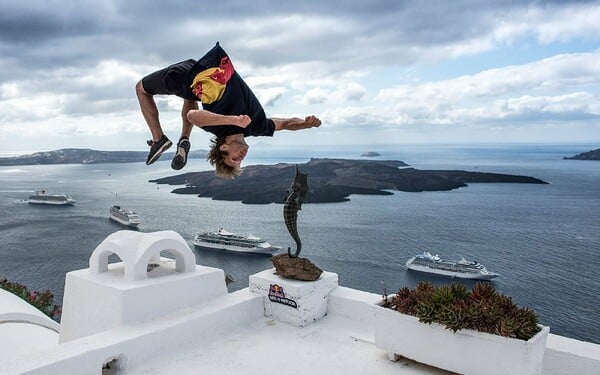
(293, 203)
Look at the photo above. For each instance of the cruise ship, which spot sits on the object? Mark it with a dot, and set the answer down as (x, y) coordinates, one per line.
(224, 240)
(125, 217)
(465, 269)
(41, 197)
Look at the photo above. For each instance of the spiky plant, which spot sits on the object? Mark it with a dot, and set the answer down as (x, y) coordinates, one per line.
(483, 291)
(442, 295)
(453, 306)
(454, 316)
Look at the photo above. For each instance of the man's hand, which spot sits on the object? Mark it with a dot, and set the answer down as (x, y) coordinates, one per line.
(242, 120)
(312, 122)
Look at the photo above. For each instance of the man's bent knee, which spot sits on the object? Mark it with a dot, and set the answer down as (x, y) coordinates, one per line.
(190, 115)
(139, 89)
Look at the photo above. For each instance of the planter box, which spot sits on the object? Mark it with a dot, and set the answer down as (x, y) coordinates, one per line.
(464, 352)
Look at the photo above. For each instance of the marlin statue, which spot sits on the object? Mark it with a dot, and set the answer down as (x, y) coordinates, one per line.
(293, 203)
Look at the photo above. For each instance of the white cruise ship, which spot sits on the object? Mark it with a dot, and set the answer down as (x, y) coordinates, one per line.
(41, 197)
(463, 268)
(224, 240)
(125, 217)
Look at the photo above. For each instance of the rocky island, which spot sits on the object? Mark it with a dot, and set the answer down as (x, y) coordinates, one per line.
(329, 180)
(590, 155)
(87, 156)
(370, 154)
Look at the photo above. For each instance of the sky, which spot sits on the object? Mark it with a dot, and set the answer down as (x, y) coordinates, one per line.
(375, 72)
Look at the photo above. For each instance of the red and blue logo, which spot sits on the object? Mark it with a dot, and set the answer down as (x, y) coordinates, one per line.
(277, 295)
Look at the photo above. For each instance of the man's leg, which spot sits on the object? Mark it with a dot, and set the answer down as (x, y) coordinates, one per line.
(296, 123)
(183, 146)
(187, 127)
(159, 142)
(149, 111)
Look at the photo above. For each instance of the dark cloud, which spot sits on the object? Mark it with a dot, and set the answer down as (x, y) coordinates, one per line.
(34, 26)
(37, 39)
(55, 33)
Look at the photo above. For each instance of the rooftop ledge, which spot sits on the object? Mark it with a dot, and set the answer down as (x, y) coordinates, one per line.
(218, 332)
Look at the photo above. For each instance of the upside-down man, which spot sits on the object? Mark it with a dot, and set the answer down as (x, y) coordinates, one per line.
(230, 111)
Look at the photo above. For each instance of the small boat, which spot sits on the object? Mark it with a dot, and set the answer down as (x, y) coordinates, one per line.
(465, 269)
(125, 217)
(41, 197)
(224, 240)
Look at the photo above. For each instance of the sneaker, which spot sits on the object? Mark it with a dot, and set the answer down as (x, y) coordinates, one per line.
(181, 156)
(157, 148)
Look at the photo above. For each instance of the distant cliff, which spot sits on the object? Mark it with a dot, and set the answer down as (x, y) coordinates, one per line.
(87, 156)
(590, 155)
(329, 180)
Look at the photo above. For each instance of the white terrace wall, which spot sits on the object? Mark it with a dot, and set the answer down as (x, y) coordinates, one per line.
(133, 346)
(563, 356)
(23, 328)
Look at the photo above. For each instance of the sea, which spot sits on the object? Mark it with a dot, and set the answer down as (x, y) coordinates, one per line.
(544, 240)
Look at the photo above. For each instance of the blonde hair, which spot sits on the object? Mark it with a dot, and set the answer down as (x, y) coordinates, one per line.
(216, 157)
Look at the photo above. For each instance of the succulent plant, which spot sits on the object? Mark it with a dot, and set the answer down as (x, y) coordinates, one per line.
(453, 306)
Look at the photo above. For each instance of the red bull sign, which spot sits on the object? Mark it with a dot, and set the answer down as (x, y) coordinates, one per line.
(277, 295)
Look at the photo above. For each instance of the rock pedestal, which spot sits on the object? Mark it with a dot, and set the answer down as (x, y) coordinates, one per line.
(296, 302)
(295, 268)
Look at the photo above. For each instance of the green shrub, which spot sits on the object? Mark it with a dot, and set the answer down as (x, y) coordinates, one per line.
(481, 309)
(43, 301)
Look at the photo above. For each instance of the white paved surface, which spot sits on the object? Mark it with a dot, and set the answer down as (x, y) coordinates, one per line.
(333, 345)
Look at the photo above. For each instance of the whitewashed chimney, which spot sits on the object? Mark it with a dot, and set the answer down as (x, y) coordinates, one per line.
(143, 286)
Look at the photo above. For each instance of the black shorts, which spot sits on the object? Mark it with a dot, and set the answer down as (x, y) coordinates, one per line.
(168, 81)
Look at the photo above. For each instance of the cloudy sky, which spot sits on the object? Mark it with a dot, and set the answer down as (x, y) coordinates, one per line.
(375, 72)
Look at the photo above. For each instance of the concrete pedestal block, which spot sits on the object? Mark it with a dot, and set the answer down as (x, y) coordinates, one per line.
(292, 301)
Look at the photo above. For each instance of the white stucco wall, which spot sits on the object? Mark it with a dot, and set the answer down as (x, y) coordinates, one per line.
(23, 328)
(568, 356)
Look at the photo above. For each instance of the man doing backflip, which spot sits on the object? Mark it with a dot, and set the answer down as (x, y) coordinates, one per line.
(230, 111)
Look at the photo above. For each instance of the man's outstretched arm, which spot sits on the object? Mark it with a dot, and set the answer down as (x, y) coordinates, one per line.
(296, 123)
(202, 118)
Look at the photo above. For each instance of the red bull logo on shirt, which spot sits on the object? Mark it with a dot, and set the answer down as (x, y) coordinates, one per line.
(209, 84)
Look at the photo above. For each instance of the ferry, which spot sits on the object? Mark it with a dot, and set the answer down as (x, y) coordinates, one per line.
(41, 197)
(227, 241)
(465, 269)
(125, 217)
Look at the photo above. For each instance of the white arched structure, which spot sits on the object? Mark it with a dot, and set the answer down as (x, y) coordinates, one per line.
(106, 296)
(137, 249)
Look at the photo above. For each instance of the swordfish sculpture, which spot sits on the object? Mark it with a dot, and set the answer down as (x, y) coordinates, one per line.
(293, 203)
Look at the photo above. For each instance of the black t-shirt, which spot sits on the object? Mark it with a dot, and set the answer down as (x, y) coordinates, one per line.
(238, 99)
(226, 92)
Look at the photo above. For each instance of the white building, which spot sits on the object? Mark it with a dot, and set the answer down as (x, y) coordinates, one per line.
(178, 318)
